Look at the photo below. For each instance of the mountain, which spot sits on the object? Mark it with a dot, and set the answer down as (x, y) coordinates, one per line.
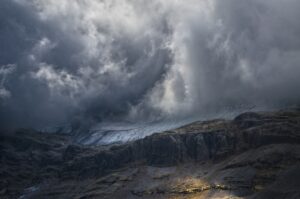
(255, 155)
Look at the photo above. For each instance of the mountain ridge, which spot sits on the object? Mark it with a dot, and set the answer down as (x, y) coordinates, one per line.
(243, 158)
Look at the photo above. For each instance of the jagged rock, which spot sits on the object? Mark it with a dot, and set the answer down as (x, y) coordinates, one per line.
(243, 157)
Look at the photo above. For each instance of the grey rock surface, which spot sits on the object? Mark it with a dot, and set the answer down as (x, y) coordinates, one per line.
(255, 155)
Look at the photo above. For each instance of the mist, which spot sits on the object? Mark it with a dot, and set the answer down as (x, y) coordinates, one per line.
(130, 60)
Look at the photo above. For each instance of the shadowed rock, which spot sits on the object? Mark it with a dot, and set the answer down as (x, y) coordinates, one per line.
(249, 156)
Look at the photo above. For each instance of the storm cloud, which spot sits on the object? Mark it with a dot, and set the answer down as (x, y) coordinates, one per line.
(142, 60)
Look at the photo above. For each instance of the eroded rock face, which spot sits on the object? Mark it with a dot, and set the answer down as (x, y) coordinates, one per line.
(243, 157)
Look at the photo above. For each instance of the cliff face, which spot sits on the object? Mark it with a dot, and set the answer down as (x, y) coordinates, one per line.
(256, 155)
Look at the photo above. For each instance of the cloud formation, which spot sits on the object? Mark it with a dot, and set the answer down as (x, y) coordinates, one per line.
(5, 70)
(143, 60)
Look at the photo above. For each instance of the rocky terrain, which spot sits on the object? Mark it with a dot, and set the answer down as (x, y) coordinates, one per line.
(255, 155)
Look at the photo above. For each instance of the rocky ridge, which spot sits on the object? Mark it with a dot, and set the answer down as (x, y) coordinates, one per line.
(255, 155)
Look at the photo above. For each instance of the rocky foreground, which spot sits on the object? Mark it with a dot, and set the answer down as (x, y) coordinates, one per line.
(256, 155)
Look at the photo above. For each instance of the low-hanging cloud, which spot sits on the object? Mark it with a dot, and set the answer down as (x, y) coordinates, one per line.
(5, 70)
(139, 59)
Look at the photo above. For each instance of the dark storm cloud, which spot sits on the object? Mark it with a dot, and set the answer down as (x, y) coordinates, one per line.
(70, 65)
(142, 60)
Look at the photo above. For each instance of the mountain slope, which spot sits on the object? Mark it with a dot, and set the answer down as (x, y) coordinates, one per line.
(256, 155)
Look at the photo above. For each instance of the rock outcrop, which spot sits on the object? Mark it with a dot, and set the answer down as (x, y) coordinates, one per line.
(249, 156)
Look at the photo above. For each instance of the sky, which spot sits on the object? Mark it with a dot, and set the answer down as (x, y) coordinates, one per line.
(140, 60)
